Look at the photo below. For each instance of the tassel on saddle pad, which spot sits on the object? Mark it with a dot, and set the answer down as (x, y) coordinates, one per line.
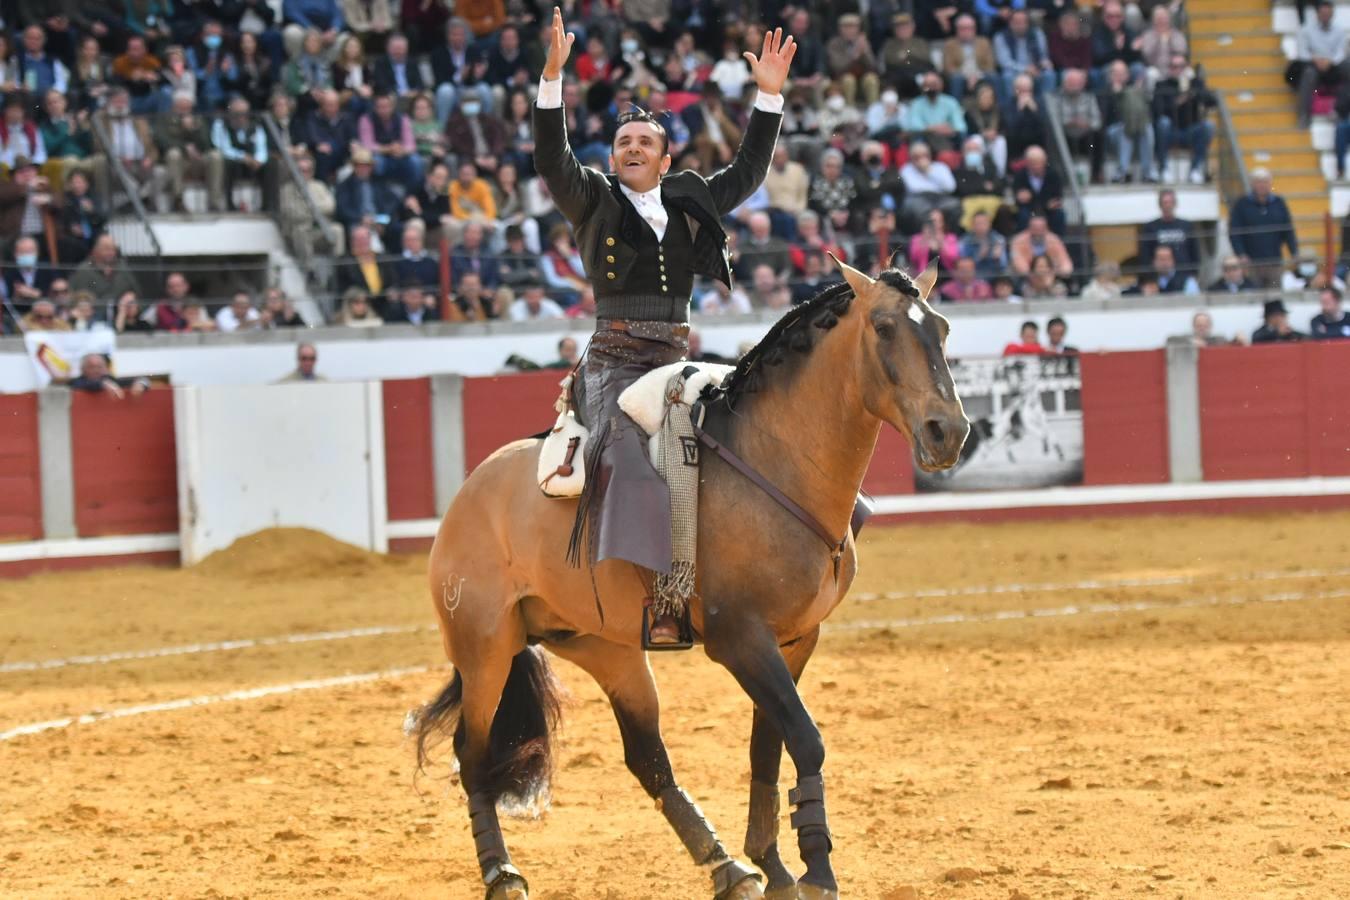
(678, 465)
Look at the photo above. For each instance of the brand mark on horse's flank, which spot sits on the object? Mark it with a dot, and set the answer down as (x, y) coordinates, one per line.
(690, 445)
(450, 596)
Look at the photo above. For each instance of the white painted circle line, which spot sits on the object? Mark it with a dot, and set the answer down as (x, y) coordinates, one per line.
(212, 647)
(209, 700)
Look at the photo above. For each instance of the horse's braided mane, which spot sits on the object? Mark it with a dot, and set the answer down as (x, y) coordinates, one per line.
(795, 332)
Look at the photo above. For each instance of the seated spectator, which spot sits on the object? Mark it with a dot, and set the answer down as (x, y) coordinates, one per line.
(929, 184)
(328, 133)
(595, 65)
(19, 135)
(986, 247)
(239, 315)
(42, 317)
(40, 71)
(850, 63)
(760, 245)
(415, 307)
(886, 117)
(182, 137)
(351, 77)
(564, 273)
(363, 268)
(1169, 230)
(1043, 282)
(361, 200)
(475, 135)
(808, 65)
(169, 312)
(1170, 279)
(177, 76)
(714, 133)
(305, 17)
(878, 185)
(936, 116)
(428, 134)
(279, 311)
(1128, 124)
(429, 203)
(1276, 327)
(79, 218)
(1234, 279)
(966, 58)
(1202, 331)
(473, 302)
(509, 198)
(1306, 274)
(91, 74)
(196, 319)
(767, 291)
(815, 278)
(510, 65)
(396, 73)
(137, 72)
(66, 138)
(308, 74)
(1039, 191)
(837, 118)
(810, 238)
(471, 256)
(306, 364)
(1005, 290)
(966, 285)
(459, 70)
(24, 199)
(1020, 49)
(1038, 240)
(1113, 41)
(305, 235)
(905, 57)
(1105, 283)
(1055, 332)
(357, 311)
(387, 134)
(242, 143)
(415, 265)
(934, 245)
(131, 142)
(1260, 227)
(517, 264)
(1331, 323)
(128, 319)
(1321, 50)
(1069, 46)
(1180, 108)
(370, 21)
(1028, 342)
(25, 281)
(978, 183)
(720, 300)
(1025, 124)
(471, 201)
(83, 316)
(1081, 118)
(1160, 42)
(95, 378)
(533, 306)
(248, 71)
(104, 274)
(832, 189)
(985, 119)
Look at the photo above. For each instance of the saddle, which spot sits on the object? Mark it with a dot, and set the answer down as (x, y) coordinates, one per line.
(561, 473)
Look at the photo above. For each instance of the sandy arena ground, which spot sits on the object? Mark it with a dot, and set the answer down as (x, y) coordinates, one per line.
(1175, 724)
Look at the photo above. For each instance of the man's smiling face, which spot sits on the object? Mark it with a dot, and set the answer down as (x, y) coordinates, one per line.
(639, 156)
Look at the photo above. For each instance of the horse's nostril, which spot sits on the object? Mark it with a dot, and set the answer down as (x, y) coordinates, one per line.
(935, 431)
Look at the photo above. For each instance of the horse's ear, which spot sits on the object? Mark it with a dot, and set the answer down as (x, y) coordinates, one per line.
(859, 281)
(926, 280)
(897, 258)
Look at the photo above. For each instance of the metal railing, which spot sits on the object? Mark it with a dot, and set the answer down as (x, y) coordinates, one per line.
(1234, 181)
(134, 236)
(1062, 159)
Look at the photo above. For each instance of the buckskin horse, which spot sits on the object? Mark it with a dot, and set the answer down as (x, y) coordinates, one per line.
(803, 409)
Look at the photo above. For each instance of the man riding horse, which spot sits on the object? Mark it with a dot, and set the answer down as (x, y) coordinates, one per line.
(644, 236)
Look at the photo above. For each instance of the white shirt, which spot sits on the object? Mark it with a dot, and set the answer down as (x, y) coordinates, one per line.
(647, 203)
(519, 311)
(227, 321)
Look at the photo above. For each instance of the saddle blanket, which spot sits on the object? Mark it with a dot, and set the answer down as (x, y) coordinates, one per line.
(562, 472)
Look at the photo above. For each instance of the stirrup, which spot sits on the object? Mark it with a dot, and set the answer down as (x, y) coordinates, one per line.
(686, 640)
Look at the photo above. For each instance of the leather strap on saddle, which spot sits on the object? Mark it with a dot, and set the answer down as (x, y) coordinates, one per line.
(836, 546)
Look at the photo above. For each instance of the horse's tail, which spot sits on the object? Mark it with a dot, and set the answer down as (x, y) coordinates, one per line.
(520, 744)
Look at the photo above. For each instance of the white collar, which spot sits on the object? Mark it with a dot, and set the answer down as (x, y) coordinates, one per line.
(654, 193)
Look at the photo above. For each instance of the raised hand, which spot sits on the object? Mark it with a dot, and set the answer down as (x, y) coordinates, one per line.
(560, 47)
(771, 67)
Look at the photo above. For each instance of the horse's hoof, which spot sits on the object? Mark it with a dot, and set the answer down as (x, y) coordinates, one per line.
(734, 880)
(815, 892)
(782, 892)
(509, 887)
(747, 890)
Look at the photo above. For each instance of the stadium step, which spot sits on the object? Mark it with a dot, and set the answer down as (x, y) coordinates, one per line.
(1238, 44)
(1249, 59)
(1245, 120)
(1275, 138)
(1208, 13)
(1233, 80)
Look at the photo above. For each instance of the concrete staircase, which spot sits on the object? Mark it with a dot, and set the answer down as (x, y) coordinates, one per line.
(1245, 61)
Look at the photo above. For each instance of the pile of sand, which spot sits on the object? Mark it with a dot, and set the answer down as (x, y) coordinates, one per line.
(290, 553)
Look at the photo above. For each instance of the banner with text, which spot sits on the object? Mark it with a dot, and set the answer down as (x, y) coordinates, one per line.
(56, 354)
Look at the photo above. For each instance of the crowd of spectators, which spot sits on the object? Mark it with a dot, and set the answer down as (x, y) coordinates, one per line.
(919, 130)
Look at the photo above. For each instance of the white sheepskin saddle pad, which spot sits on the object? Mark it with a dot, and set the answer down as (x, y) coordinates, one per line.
(645, 399)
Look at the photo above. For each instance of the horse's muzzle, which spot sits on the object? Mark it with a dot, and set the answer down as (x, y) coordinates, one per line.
(938, 442)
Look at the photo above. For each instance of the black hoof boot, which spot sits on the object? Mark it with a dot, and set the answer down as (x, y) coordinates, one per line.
(504, 882)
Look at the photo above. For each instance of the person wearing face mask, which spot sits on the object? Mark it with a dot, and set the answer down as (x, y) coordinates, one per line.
(474, 133)
(206, 59)
(978, 183)
(730, 72)
(879, 185)
(643, 237)
(838, 112)
(886, 117)
(936, 116)
(26, 282)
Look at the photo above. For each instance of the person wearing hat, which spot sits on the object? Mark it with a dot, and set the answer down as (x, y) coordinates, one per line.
(22, 200)
(849, 61)
(643, 236)
(361, 200)
(1276, 328)
(905, 57)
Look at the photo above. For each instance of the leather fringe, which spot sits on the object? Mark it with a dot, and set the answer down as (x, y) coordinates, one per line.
(595, 446)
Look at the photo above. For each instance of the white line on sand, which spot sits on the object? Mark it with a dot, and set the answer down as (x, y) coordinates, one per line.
(1097, 584)
(212, 647)
(209, 699)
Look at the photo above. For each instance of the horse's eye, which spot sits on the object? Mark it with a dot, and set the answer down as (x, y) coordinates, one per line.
(886, 330)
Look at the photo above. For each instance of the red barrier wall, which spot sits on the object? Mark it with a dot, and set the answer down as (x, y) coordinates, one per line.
(1276, 411)
(505, 408)
(125, 464)
(20, 465)
(1124, 401)
(410, 480)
